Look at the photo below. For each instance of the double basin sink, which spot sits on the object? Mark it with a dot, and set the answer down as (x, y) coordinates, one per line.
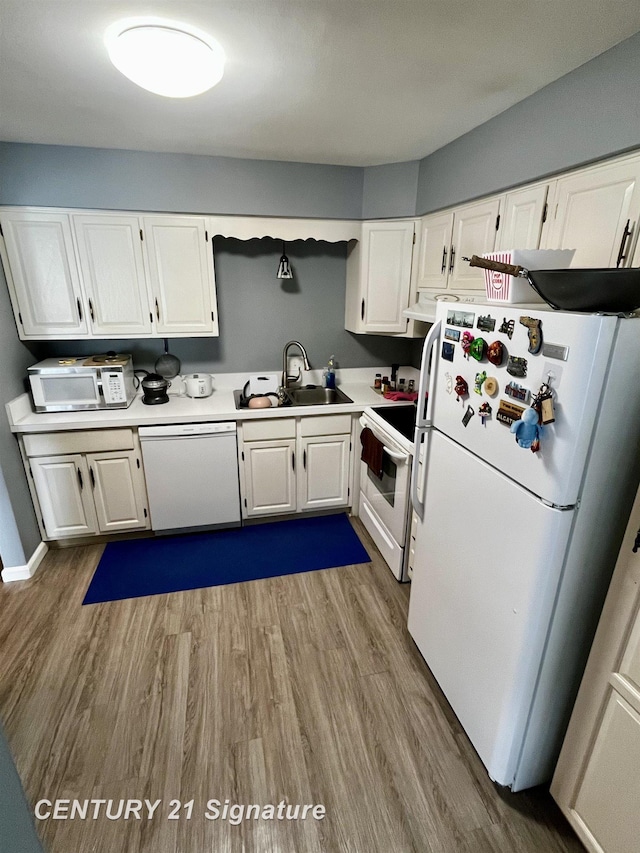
(308, 395)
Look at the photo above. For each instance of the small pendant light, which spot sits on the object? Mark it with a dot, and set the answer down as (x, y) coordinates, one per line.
(284, 267)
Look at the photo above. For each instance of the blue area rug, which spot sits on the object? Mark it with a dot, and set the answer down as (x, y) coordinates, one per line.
(135, 567)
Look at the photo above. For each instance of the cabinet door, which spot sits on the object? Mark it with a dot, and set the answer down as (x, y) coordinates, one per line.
(180, 261)
(118, 490)
(595, 213)
(269, 477)
(474, 232)
(64, 493)
(113, 273)
(43, 268)
(387, 249)
(522, 218)
(433, 257)
(323, 476)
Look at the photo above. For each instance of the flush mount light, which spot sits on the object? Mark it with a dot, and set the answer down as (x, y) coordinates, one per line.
(167, 58)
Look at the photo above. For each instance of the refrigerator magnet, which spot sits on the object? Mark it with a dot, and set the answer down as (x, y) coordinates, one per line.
(486, 323)
(467, 416)
(465, 343)
(478, 348)
(517, 366)
(485, 412)
(479, 381)
(490, 386)
(507, 327)
(448, 350)
(461, 387)
(534, 328)
(495, 353)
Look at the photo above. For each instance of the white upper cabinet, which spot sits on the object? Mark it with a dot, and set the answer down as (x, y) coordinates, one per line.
(448, 237)
(523, 218)
(47, 297)
(379, 280)
(181, 275)
(73, 274)
(435, 245)
(595, 212)
(474, 233)
(110, 251)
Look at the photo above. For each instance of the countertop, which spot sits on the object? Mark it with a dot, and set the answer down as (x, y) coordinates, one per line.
(356, 383)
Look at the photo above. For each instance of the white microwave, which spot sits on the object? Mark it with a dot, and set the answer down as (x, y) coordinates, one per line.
(82, 383)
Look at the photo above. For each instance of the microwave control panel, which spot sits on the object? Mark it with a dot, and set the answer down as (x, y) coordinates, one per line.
(114, 388)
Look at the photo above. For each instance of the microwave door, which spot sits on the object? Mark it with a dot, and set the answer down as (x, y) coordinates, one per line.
(66, 392)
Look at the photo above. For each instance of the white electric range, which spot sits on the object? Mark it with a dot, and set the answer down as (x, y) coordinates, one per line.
(385, 503)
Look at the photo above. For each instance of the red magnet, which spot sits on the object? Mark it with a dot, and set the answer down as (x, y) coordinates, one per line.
(495, 353)
(461, 388)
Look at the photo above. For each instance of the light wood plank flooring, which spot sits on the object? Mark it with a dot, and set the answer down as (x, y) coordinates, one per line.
(305, 688)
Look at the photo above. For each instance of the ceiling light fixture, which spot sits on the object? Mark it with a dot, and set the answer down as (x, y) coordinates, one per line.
(164, 57)
(284, 267)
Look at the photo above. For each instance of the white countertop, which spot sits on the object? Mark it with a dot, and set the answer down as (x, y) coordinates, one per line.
(356, 383)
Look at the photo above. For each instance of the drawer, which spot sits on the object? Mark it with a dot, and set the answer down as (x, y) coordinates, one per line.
(268, 429)
(78, 441)
(325, 425)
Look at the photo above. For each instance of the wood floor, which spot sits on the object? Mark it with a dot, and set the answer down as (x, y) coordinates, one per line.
(305, 688)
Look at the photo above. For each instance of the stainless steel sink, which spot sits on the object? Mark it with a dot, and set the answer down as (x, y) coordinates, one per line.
(316, 395)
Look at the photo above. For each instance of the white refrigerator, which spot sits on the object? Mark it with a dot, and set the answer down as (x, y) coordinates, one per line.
(515, 548)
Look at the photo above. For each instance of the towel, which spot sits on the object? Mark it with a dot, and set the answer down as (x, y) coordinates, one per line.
(372, 450)
(400, 395)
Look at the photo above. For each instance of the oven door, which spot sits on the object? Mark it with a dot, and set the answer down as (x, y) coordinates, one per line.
(388, 495)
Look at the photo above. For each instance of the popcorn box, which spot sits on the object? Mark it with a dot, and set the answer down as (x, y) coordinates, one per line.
(501, 287)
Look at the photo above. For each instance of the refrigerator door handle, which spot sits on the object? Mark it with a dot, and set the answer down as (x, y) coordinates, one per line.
(418, 505)
(425, 384)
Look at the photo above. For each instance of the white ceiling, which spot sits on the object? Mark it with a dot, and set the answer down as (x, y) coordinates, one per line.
(353, 82)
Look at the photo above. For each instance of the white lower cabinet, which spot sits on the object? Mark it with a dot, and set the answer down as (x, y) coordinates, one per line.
(597, 779)
(270, 479)
(292, 465)
(87, 493)
(62, 484)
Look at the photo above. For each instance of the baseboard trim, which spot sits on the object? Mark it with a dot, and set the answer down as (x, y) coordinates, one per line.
(23, 573)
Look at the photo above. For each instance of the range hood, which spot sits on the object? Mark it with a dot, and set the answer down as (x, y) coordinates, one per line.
(425, 308)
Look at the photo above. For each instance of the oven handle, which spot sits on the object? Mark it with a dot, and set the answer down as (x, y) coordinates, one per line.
(399, 457)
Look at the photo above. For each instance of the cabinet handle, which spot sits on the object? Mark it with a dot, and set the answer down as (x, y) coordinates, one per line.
(79, 307)
(93, 479)
(625, 234)
(452, 258)
(157, 309)
(91, 311)
(293, 461)
(304, 459)
(443, 268)
(80, 479)
(362, 310)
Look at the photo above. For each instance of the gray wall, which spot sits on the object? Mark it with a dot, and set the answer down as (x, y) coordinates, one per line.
(19, 534)
(587, 115)
(390, 190)
(259, 314)
(17, 833)
(59, 176)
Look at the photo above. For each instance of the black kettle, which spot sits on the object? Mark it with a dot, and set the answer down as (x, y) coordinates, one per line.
(154, 389)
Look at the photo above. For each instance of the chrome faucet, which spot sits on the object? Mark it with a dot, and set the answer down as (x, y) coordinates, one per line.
(285, 367)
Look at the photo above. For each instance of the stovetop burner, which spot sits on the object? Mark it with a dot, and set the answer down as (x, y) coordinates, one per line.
(402, 418)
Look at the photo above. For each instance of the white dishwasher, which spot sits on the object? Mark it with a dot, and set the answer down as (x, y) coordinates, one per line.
(192, 475)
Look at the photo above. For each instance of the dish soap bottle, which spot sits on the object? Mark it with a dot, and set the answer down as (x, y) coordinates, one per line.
(330, 373)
